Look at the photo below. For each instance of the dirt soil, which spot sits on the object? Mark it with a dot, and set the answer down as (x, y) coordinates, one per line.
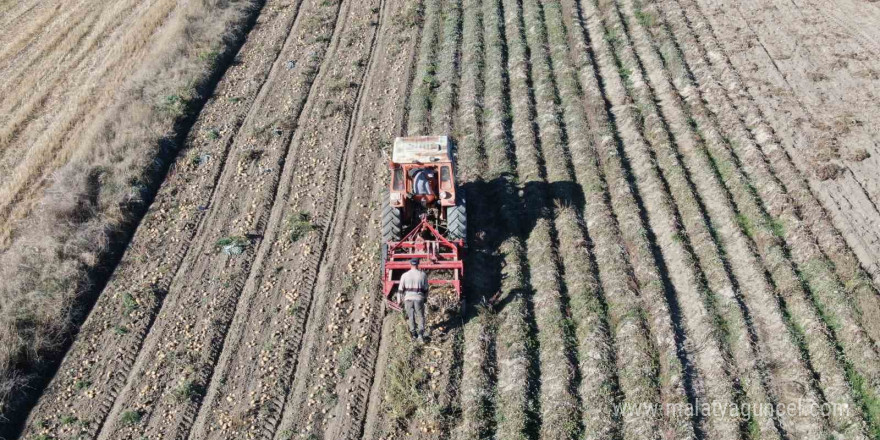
(671, 202)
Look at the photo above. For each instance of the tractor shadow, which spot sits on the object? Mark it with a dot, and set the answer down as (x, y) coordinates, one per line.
(490, 234)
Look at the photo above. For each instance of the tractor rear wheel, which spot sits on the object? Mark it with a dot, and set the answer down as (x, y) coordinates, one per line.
(456, 219)
(392, 223)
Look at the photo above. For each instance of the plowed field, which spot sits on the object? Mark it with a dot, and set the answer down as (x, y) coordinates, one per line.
(673, 206)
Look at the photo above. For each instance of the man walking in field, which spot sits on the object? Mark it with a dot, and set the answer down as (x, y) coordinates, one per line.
(414, 285)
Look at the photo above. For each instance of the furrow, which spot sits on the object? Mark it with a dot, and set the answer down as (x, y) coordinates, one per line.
(733, 91)
(562, 198)
(447, 70)
(598, 383)
(509, 333)
(853, 347)
(711, 190)
(655, 290)
(722, 297)
(528, 371)
(134, 297)
(476, 398)
(472, 64)
(444, 109)
(599, 172)
(706, 176)
(646, 138)
(775, 172)
(182, 350)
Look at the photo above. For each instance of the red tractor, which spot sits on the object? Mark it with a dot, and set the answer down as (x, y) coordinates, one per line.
(424, 216)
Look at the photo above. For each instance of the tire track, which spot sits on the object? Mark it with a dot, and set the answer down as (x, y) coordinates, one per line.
(191, 345)
(93, 368)
(234, 352)
(374, 422)
(270, 382)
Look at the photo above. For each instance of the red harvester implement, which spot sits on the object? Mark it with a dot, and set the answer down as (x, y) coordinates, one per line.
(436, 254)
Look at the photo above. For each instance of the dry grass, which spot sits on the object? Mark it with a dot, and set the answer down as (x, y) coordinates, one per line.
(106, 158)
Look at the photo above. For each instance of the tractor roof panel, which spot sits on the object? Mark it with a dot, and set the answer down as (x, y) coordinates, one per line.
(421, 149)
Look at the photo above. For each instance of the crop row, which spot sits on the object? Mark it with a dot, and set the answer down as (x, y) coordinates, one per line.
(723, 329)
(598, 382)
(841, 290)
(125, 314)
(418, 391)
(638, 245)
(443, 121)
(688, 143)
(669, 202)
(752, 302)
(844, 324)
(478, 371)
(687, 116)
(665, 340)
(425, 79)
(446, 78)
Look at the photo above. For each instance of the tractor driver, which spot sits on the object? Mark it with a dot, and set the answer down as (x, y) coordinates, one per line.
(422, 178)
(414, 285)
